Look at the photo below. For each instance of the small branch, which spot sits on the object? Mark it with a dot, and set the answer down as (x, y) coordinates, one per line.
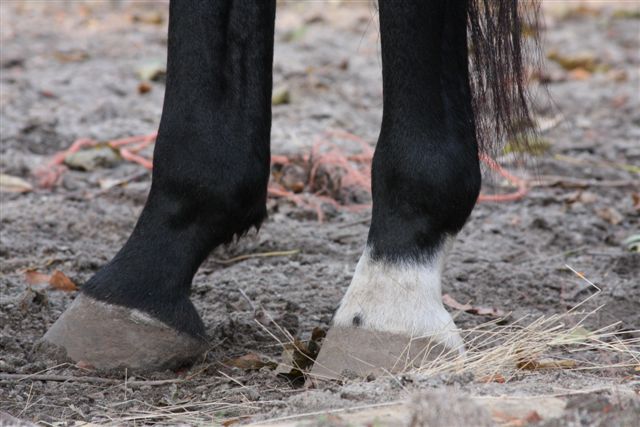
(246, 297)
(364, 221)
(568, 182)
(256, 255)
(599, 163)
(90, 380)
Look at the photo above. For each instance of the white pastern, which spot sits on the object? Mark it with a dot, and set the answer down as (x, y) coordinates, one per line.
(401, 298)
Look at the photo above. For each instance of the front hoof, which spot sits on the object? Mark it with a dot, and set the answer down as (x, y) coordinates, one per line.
(361, 352)
(107, 336)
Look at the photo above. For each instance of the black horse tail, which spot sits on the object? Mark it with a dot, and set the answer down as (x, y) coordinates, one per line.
(504, 49)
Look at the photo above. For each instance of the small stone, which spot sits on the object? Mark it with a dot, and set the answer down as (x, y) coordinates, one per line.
(91, 159)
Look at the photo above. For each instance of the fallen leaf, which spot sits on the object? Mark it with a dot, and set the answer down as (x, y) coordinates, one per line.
(626, 14)
(528, 144)
(584, 61)
(13, 184)
(144, 87)
(231, 421)
(47, 93)
(71, 55)
(293, 178)
(535, 365)
(495, 378)
(152, 71)
(611, 215)
(108, 183)
(154, 18)
(579, 74)
(635, 199)
(318, 334)
(61, 282)
(280, 95)
(582, 11)
(581, 196)
(468, 308)
(507, 420)
(299, 356)
(34, 277)
(84, 365)
(533, 417)
(250, 361)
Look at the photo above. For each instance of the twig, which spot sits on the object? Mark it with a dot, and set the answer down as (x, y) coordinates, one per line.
(256, 255)
(26, 406)
(246, 297)
(364, 221)
(599, 163)
(568, 182)
(229, 377)
(91, 380)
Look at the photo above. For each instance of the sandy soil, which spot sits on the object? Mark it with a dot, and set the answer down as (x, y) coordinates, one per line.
(70, 70)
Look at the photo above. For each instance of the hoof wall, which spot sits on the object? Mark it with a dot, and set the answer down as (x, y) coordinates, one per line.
(361, 352)
(106, 336)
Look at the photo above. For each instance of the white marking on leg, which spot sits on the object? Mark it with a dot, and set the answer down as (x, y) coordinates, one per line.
(403, 297)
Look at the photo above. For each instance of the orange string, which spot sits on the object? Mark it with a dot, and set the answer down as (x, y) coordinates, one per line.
(49, 174)
(356, 169)
(509, 197)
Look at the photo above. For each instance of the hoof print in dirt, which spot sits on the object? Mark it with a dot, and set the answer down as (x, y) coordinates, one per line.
(104, 336)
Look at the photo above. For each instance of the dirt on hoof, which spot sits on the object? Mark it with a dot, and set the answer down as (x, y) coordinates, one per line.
(536, 330)
(362, 352)
(103, 336)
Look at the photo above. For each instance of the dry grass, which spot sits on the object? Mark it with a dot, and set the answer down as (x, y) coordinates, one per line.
(497, 352)
(558, 341)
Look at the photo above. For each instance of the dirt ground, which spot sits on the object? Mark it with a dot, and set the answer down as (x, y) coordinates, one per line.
(72, 70)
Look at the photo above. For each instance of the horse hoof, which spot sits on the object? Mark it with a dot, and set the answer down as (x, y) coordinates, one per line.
(105, 336)
(348, 351)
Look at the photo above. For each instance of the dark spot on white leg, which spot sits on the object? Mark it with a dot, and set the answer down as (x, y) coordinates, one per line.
(357, 320)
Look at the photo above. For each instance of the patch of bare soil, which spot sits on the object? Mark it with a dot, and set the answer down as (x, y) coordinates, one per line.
(87, 69)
